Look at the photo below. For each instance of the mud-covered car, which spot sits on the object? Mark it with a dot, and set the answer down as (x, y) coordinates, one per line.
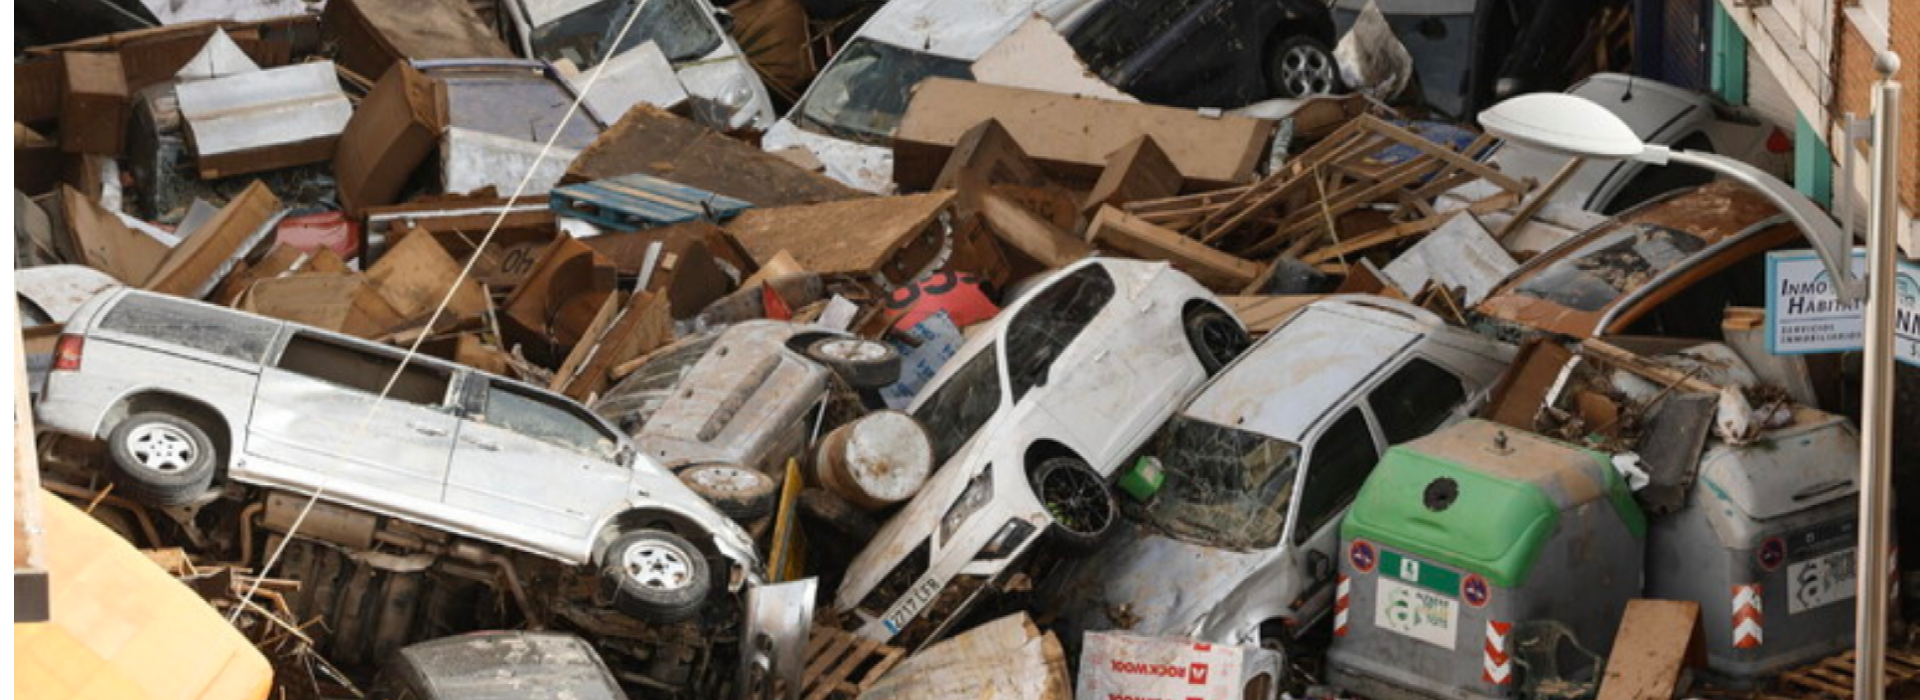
(415, 466)
(1236, 545)
(1028, 422)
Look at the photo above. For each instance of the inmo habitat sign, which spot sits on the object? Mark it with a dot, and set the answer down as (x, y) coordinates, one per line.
(1805, 316)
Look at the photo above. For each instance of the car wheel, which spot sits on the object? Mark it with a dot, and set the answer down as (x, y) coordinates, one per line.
(1079, 500)
(839, 515)
(656, 576)
(162, 459)
(1301, 66)
(1216, 338)
(742, 494)
(865, 364)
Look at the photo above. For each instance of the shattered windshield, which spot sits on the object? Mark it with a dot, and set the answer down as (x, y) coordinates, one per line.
(1612, 266)
(863, 94)
(957, 409)
(632, 402)
(676, 26)
(1224, 487)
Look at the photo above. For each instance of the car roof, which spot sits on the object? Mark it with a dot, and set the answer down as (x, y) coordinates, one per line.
(962, 29)
(1283, 384)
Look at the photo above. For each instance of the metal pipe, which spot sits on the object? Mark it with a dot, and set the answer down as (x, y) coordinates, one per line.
(1876, 413)
(138, 511)
(247, 515)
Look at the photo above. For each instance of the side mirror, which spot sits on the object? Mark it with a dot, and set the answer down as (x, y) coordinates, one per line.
(1319, 567)
(724, 18)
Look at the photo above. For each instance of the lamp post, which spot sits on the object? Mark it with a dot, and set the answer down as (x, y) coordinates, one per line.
(1575, 127)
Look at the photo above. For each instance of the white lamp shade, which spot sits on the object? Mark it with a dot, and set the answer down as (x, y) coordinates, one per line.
(1565, 124)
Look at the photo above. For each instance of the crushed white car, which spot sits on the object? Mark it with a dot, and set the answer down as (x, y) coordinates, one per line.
(1029, 421)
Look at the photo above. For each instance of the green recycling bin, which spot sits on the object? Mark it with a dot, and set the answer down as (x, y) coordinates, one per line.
(1467, 543)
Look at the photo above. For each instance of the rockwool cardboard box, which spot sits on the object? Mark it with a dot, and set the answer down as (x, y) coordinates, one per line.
(1127, 667)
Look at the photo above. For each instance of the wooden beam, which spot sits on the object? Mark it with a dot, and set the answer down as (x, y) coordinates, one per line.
(1120, 231)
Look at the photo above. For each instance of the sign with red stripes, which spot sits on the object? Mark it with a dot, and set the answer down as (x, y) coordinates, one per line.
(1496, 666)
(1746, 616)
(1340, 607)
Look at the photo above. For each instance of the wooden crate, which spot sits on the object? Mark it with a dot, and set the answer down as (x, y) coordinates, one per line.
(842, 665)
(1833, 676)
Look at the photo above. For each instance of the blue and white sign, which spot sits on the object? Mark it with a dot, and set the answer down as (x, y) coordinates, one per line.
(1805, 316)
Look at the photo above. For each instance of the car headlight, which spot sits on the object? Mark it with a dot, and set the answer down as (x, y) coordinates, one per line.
(971, 500)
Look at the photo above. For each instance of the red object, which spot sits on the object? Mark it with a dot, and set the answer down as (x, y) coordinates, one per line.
(66, 352)
(1779, 141)
(312, 232)
(962, 295)
(777, 308)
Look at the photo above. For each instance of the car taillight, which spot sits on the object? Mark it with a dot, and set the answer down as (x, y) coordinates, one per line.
(66, 353)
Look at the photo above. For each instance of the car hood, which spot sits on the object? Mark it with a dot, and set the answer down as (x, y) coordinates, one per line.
(1168, 587)
(857, 165)
(916, 522)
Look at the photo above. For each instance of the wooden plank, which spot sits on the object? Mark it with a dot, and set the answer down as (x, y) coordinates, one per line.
(848, 237)
(1656, 641)
(1115, 229)
(820, 664)
(1029, 234)
(190, 269)
(1262, 314)
(1659, 374)
(1138, 171)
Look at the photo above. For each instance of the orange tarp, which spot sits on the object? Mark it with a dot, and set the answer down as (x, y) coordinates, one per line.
(122, 629)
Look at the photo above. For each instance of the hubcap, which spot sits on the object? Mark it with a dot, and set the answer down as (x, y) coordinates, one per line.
(853, 350)
(162, 448)
(1076, 501)
(1306, 70)
(725, 478)
(658, 566)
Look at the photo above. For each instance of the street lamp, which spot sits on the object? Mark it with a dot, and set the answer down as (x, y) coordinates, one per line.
(1574, 126)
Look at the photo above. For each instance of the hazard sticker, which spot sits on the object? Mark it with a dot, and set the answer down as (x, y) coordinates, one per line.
(1362, 556)
(1475, 591)
(1772, 553)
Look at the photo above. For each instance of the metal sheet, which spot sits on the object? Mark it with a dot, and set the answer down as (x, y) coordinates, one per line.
(263, 109)
(472, 160)
(778, 621)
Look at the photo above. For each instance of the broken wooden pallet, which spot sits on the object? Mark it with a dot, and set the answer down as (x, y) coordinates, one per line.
(842, 665)
(1833, 676)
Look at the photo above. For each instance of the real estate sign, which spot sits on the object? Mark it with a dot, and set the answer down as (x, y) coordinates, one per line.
(1805, 316)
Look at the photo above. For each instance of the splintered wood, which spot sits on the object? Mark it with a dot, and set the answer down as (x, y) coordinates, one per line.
(1301, 210)
(841, 666)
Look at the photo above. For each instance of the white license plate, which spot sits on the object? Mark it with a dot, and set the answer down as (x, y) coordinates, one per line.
(1822, 580)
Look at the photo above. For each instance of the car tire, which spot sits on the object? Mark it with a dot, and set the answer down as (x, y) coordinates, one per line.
(742, 494)
(1301, 66)
(1078, 500)
(838, 515)
(655, 576)
(864, 364)
(161, 459)
(1216, 338)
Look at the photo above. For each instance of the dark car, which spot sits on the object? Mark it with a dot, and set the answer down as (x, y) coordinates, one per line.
(1209, 53)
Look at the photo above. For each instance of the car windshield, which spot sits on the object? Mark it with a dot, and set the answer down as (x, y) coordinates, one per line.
(1224, 487)
(1612, 266)
(863, 94)
(582, 36)
(957, 409)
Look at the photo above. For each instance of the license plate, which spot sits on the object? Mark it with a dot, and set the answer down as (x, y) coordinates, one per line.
(1415, 612)
(1820, 581)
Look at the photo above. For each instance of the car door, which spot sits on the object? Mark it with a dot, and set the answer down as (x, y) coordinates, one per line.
(533, 459)
(319, 418)
(1058, 355)
(1339, 460)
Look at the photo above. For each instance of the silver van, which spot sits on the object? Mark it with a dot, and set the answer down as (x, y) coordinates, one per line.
(188, 396)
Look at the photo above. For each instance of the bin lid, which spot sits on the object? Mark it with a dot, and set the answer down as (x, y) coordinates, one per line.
(1789, 470)
(1482, 497)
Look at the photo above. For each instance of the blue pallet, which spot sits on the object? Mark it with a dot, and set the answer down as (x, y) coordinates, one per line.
(634, 202)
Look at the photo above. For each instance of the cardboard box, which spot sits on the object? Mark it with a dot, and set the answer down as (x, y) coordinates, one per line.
(1070, 135)
(1124, 665)
(342, 302)
(37, 161)
(193, 268)
(95, 104)
(375, 35)
(557, 304)
(36, 90)
(395, 129)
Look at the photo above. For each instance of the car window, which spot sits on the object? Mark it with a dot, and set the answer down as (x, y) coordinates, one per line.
(1342, 458)
(1224, 487)
(958, 408)
(1048, 323)
(545, 418)
(676, 26)
(1611, 266)
(1118, 29)
(205, 328)
(862, 96)
(364, 370)
(633, 401)
(1416, 400)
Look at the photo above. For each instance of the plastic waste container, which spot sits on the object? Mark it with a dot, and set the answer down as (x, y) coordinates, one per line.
(1462, 540)
(1766, 545)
